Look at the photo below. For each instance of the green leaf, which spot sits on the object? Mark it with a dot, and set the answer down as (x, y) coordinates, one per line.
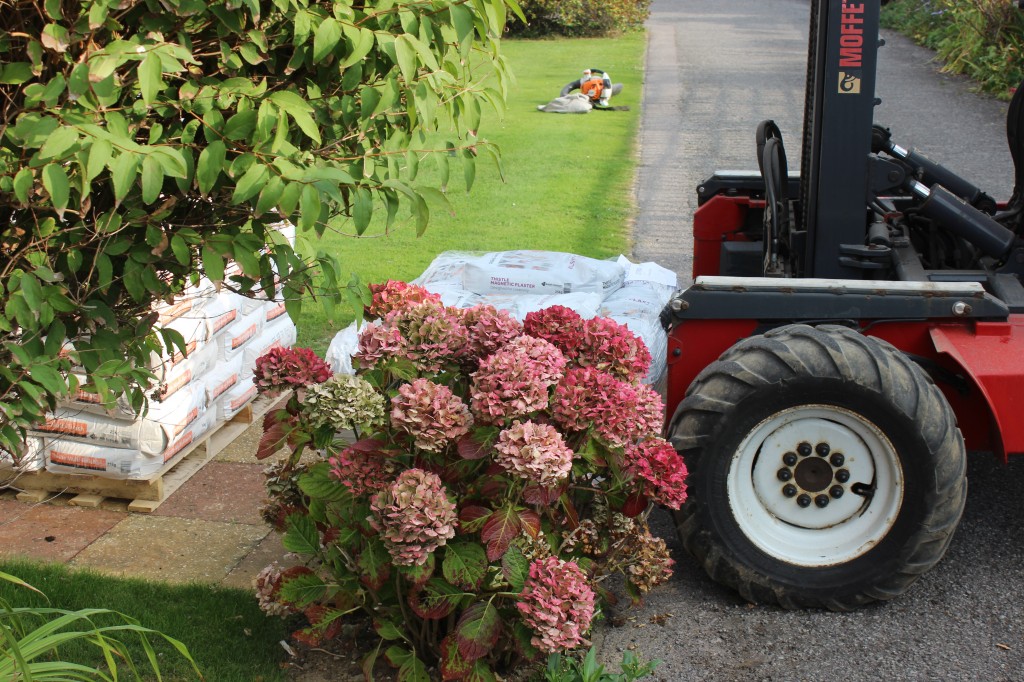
(478, 630)
(62, 139)
(309, 208)
(302, 536)
(241, 125)
(99, 155)
(387, 630)
(23, 182)
(152, 179)
(50, 379)
(181, 251)
(211, 162)
(468, 168)
(515, 567)
(250, 183)
(406, 54)
(213, 264)
(318, 484)
(55, 180)
(15, 73)
(306, 124)
(303, 589)
(150, 77)
(326, 38)
(465, 564)
(361, 41)
(362, 209)
(374, 564)
(123, 174)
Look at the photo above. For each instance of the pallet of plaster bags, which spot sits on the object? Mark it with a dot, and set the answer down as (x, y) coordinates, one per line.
(524, 281)
(196, 394)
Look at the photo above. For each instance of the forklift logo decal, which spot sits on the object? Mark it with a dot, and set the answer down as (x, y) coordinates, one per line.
(848, 84)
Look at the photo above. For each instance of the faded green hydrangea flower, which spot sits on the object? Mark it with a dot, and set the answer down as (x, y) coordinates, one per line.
(343, 401)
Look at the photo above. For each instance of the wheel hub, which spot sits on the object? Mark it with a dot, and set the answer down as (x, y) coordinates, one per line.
(815, 483)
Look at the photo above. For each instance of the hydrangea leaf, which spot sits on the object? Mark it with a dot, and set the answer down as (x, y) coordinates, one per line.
(453, 665)
(478, 630)
(419, 574)
(317, 483)
(500, 530)
(481, 672)
(374, 565)
(302, 535)
(465, 565)
(472, 518)
(523, 638)
(515, 568)
(435, 600)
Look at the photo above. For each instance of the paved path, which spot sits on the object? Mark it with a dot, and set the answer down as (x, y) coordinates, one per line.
(714, 69)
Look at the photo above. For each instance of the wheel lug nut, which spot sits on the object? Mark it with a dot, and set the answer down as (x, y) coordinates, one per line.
(823, 449)
(789, 459)
(784, 474)
(837, 459)
(789, 490)
(842, 475)
(822, 501)
(804, 500)
(836, 491)
(804, 449)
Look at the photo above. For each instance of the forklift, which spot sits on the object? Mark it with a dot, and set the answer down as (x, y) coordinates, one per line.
(852, 331)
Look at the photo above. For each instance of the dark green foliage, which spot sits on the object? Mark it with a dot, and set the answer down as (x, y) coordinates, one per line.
(578, 18)
(983, 39)
(144, 144)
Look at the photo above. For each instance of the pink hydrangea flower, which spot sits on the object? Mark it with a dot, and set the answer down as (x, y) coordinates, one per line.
(549, 362)
(513, 383)
(557, 603)
(393, 294)
(362, 472)
(286, 368)
(414, 516)
(612, 347)
(535, 452)
(433, 335)
(560, 325)
(489, 329)
(659, 469)
(377, 342)
(618, 412)
(430, 413)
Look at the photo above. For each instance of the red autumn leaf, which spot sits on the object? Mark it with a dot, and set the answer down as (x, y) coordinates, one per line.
(634, 505)
(453, 665)
(470, 448)
(369, 446)
(478, 630)
(472, 518)
(530, 521)
(419, 574)
(541, 496)
(308, 636)
(572, 518)
(273, 440)
(500, 530)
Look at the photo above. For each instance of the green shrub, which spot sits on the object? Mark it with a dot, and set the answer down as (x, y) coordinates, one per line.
(983, 39)
(579, 17)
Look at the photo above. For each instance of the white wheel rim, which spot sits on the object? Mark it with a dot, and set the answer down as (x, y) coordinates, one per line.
(859, 511)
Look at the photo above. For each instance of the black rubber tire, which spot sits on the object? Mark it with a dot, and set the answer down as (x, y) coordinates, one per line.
(832, 366)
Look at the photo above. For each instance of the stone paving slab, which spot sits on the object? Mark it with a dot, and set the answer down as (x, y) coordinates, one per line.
(171, 549)
(243, 449)
(267, 552)
(50, 533)
(228, 492)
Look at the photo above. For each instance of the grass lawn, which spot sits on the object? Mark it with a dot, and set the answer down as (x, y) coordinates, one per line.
(228, 636)
(568, 178)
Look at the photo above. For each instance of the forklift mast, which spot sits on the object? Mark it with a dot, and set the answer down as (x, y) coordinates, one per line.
(838, 119)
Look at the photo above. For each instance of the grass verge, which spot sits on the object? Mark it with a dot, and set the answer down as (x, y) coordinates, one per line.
(224, 629)
(568, 178)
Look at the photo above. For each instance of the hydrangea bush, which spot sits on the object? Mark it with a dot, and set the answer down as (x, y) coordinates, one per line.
(472, 488)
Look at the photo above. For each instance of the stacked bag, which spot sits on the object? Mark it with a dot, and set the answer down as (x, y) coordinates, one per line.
(524, 281)
(224, 333)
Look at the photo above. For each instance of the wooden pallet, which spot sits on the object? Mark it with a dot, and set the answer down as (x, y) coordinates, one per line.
(145, 494)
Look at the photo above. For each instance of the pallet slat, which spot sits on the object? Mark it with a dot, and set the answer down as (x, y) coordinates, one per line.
(146, 494)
